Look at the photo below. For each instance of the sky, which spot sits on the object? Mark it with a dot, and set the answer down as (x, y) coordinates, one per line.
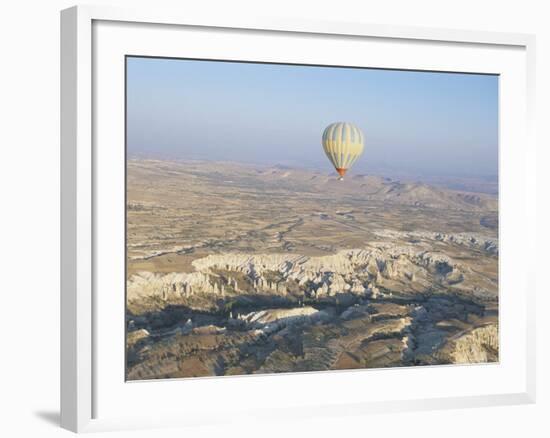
(415, 123)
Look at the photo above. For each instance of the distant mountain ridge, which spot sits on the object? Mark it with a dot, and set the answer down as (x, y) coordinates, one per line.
(370, 187)
(383, 189)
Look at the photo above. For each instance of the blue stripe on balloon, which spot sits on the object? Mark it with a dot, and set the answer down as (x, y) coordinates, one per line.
(335, 133)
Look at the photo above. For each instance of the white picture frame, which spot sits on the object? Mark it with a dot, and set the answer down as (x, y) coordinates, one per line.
(87, 403)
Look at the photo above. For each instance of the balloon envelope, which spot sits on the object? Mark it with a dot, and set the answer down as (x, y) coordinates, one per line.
(343, 144)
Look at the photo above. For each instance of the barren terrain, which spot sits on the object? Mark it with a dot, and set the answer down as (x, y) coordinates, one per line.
(239, 269)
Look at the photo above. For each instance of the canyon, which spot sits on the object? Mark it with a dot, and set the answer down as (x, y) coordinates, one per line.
(237, 269)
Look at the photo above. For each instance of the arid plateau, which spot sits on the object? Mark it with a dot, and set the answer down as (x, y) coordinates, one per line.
(240, 269)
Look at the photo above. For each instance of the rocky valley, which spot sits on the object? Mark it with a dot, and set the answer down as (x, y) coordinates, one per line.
(235, 269)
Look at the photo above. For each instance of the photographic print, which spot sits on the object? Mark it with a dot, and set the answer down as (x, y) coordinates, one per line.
(298, 218)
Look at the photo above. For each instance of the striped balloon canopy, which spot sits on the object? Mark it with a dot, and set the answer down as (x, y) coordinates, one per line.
(343, 144)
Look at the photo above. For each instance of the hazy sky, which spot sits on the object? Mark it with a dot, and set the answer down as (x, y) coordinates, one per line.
(414, 122)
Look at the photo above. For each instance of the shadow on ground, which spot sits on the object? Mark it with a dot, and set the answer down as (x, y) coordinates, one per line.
(51, 417)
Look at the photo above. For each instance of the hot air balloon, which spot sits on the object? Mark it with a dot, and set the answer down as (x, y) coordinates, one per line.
(343, 144)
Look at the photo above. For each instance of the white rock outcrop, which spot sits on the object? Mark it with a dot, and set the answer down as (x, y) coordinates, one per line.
(355, 271)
